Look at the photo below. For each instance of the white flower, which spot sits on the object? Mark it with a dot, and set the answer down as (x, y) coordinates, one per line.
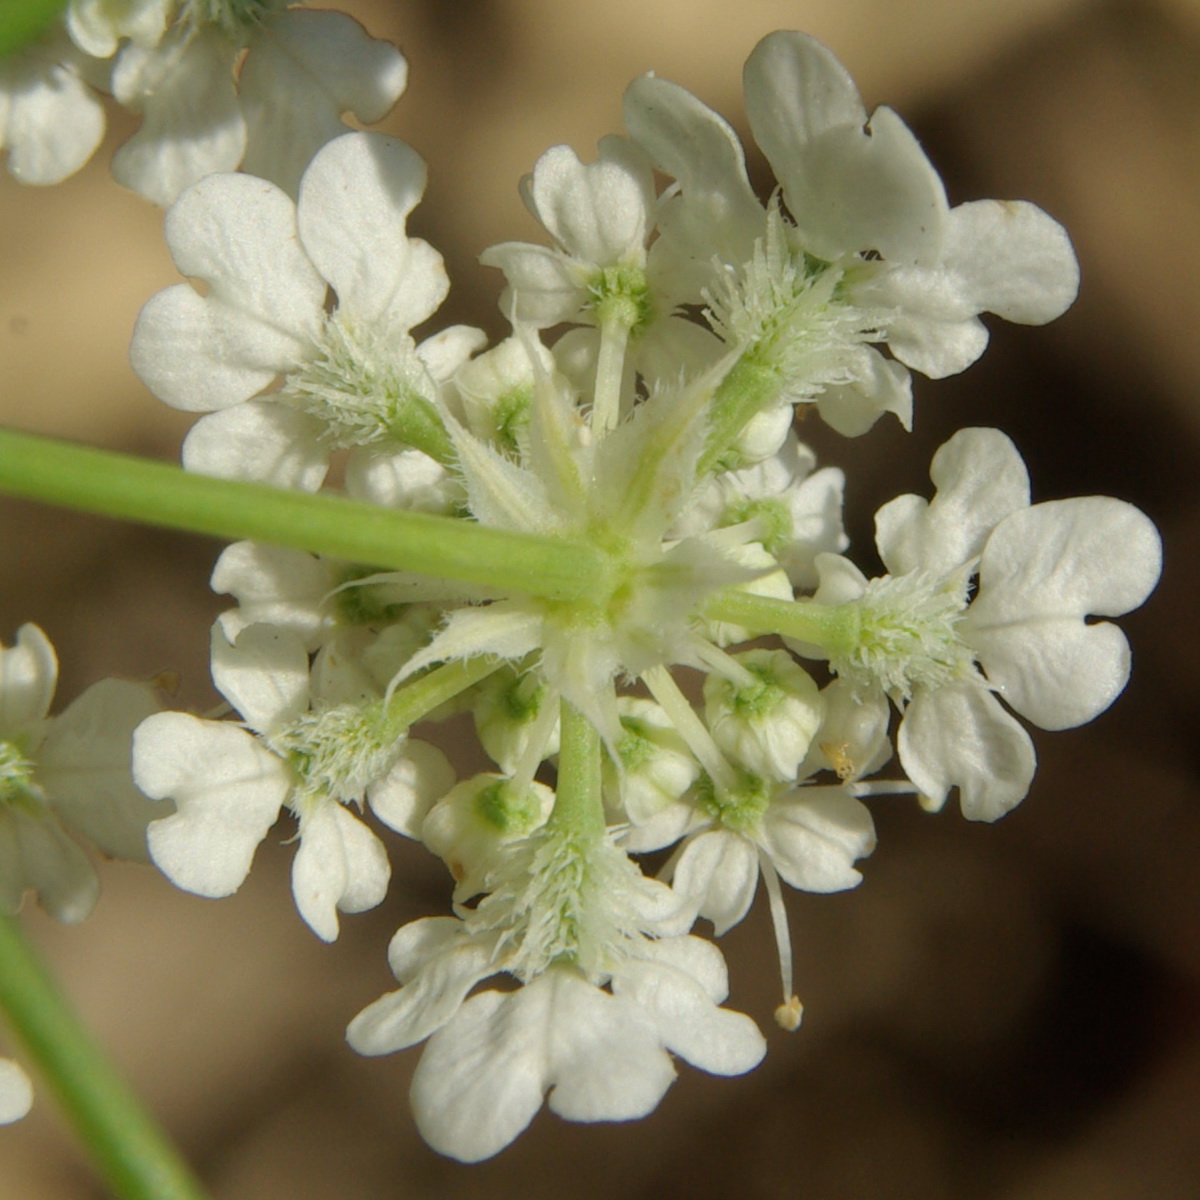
(1043, 570)
(70, 771)
(601, 1006)
(870, 250)
(651, 771)
(229, 785)
(205, 110)
(797, 509)
(765, 713)
(353, 379)
(600, 214)
(16, 1092)
(810, 836)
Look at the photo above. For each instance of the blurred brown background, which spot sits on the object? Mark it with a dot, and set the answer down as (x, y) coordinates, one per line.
(1007, 1012)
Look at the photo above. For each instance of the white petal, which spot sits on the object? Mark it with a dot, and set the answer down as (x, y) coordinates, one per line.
(442, 353)
(1044, 570)
(814, 835)
(50, 121)
(1010, 258)
(28, 675)
(340, 865)
(717, 874)
(961, 737)
(227, 788)
(84, 765)
(980, 479)
(441, 964)
(796, 90)
(482, 1077)
(405, 479)
(936, 348)
(880, 386)
(403, 797)
(689, 1022)
(695, 956)
(36, 853)
(16, 1092)
(191, 123)
(264, 305)
(273, 586)
(596, 211)
(543, 288)
(354, 200)
(848, 189)
(262, 442)
(302, 72)
(263, 674)
(719, 214)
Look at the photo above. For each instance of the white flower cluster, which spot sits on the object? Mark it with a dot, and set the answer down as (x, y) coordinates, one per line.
(219, 84)
(656, 430)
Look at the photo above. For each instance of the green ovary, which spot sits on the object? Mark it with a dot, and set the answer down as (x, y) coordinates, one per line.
(16, 774)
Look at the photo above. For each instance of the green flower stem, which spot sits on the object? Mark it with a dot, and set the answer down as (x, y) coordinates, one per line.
(415, 700)
(578, 805)
(610, 367)
(128, 1148)
(118, 485)
(831, 627)
(744, 392)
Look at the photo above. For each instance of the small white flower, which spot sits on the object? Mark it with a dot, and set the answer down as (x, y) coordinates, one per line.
(601, 1006)
(230, 785)
(766, 718)
(796, 509)
(600, 214)
(353, 379)
(1043, 570)
(71, 771)
(870, 251)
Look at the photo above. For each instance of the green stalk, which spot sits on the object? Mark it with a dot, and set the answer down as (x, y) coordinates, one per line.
(415, 700)
(129, 1149)
(748, 388)
(578, 804)
(824, 625)
(119, 485)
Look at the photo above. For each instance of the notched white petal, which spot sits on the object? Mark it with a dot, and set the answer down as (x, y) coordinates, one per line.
(227, 788)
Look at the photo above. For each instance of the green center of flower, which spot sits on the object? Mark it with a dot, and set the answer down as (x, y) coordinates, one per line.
(336, 752)
(507, 809)
(368, 390)
(902, 636)
(562, 899)
(738, 809)
(234, 18)
(16, 774)
(620, 295)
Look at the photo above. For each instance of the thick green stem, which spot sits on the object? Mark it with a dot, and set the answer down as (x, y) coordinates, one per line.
(132, 1153)
(578, 804)
(118, 485)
